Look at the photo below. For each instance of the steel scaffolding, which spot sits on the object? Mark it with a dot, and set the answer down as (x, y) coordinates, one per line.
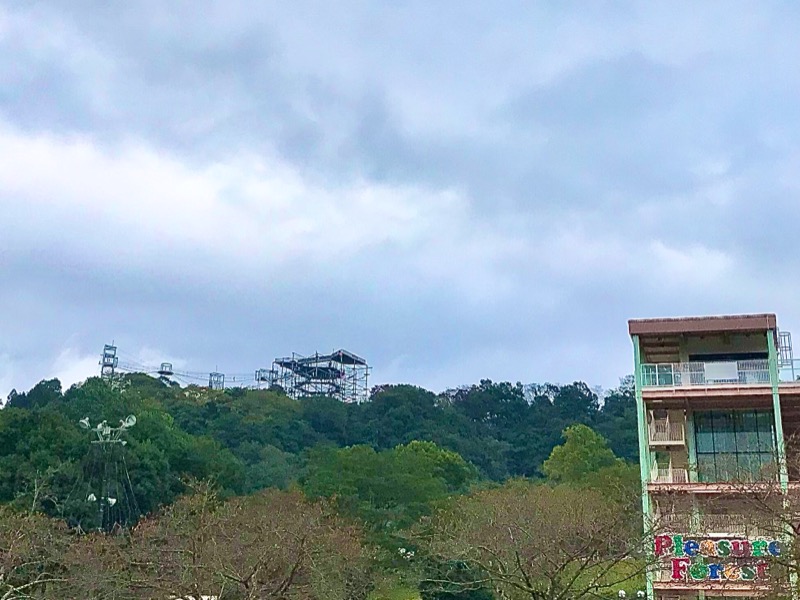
(341, 375)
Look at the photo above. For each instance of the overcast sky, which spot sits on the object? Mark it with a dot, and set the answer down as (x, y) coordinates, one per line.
(454, 190)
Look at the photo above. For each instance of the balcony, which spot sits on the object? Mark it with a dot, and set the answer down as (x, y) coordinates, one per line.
(723, 525)
(673, 522)
(666, 433)
(717, 524)
(670, 475)
(703, 374)
(728, 525)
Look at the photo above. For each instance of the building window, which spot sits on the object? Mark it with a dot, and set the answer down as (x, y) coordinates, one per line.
(735, 445)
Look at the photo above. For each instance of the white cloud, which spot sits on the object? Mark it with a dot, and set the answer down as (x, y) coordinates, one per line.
(690, 267)
(7, 377)
(116, 195)
(152, 357)
(136, 208)
(72, 366)
(145, 151)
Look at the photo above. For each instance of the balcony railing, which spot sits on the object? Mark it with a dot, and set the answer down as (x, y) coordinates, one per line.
(742, 372)
(724, 525)
(732, 525)
(676, 522)
(665, 432)
(670, 475)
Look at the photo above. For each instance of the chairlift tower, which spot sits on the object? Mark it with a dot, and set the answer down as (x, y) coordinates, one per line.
(216, 381)
(108, 362)
(108, 484)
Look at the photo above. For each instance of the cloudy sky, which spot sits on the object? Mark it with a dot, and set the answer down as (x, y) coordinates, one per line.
(453, 189)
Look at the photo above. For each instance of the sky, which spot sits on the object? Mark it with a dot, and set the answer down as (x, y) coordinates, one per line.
(454, 190)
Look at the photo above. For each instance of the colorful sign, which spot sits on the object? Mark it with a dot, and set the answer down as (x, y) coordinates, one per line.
(694, 558)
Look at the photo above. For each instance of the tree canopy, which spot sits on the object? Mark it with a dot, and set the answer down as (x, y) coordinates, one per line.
(247, 440)
(360, 479)
(584, 452)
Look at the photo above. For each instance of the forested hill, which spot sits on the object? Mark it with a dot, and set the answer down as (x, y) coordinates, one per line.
(252, 439)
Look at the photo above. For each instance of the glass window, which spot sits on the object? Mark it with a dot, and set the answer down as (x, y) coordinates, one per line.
(649, 375)
(734, 445)
(724, 433)
(727, 466)
(746, 425)
(665, 375)
(704, 432)
(749, 465)
(706, 468)
(769, 466)
(766, 433)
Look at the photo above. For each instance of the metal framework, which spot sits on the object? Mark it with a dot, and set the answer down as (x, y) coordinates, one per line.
(108, 362)
(341, 375)
(785, 352)
(216, 381)
(265, 377)
(110, 503)
(165, 370)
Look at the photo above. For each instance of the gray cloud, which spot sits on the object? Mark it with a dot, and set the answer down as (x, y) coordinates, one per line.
(455, 191)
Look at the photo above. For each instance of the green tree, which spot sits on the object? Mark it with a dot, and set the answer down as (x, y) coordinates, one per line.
(576, 403)
(329, 418)
(47, 461)
(389, 489)
(499, 405)
(268, 466)
(40, 453)
(427, 457)
(617, 420)
(42, 394)
(584, 452)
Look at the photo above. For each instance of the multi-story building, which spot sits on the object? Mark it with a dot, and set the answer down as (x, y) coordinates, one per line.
(714, 419)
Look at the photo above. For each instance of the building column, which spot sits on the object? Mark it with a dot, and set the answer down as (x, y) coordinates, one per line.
(776, 409)
(691, 449)
(644, 449)
(779, 439)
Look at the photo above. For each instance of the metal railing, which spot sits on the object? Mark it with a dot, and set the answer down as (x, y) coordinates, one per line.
(724, 524)
(747, 372)
(670, 475)
(737, 525)
(715, 524)
(677, 522)
(664, 432)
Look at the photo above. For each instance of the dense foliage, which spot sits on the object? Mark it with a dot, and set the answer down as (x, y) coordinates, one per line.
(386, 466)
(248, 440)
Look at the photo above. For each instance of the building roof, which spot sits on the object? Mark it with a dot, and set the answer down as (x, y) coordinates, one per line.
(699, 325)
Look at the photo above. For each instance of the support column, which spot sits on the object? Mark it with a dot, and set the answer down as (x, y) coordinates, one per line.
(691, 449)
(779, 441)
(776, 409)
(644, 449)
